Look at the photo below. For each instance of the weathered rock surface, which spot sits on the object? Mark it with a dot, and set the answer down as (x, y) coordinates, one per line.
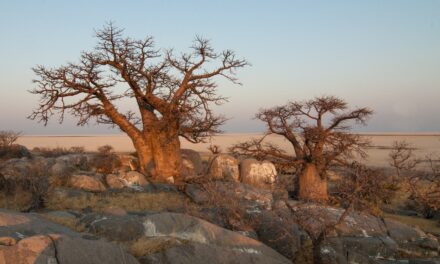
(133, 178)
(191, 163)
(205, 242)
(114, 182)
(223, 167)
(363, 238)
(86, 183)
(179, 238)
(254, 199)
(40, 241)
(259, 174)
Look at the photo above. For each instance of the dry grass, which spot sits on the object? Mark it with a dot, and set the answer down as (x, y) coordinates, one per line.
(146, 246)
(19, 200)
(428, 225)
(72, 223)
(129, 201)
(57, 151)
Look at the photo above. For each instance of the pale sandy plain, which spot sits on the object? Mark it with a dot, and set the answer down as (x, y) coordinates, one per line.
(425, 143)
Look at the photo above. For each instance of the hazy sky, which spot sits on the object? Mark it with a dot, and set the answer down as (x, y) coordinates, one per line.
(381, 54)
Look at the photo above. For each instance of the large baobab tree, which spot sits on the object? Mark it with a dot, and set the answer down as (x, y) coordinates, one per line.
(319, 132)
(172, 94)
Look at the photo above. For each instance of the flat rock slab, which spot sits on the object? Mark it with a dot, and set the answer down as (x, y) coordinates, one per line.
(35, 240)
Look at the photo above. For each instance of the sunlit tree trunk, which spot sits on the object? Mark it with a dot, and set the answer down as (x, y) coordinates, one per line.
(311, 186)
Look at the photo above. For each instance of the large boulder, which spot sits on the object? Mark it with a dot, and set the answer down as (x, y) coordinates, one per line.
(133, 178)
(114, 182)
(32, 239)
(178, 238)
(86, 183)
(223, 167)
(256, 173)
(192, 164)
(203, 242)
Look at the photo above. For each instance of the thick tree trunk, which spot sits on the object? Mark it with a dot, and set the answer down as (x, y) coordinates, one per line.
(145, 156)
(166, 156)
(311, 186)
(158, 152)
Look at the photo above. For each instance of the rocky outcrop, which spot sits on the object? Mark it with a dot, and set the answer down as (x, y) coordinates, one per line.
(179, 238)
(86, 183)
(362, 238)
(256, 173)
(223, 167)
(32, 239)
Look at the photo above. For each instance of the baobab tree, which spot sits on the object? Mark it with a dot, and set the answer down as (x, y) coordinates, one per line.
(319, 132)
(173, 94)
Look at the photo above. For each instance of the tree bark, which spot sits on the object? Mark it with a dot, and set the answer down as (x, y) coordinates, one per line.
(311, 186)
(165, 147)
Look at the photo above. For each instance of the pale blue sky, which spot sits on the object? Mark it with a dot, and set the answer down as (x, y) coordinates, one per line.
(381, 54)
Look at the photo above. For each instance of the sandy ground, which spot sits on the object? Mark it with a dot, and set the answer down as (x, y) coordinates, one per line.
(378, 154)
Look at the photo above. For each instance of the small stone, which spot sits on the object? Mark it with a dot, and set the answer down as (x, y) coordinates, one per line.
(7, 241)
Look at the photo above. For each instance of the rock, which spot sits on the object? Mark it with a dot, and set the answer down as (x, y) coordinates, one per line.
(86, 183)
(35, 249)
(361, 237)
(116, 211)
(279, 233)
(7, 241)
(58, 248)
(79, 161)
(204, 242)
(223, 167)
(128, 161)
(7, 219)
(259, 174)
(41, 241)
(220, 193)
(14, 151)
(199, 253)
(192, 164)
(412, 241)
(133, 178)
(114, 228)
(114, 182)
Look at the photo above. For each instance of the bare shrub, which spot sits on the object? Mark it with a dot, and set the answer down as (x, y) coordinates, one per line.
(365, 188)
(106, 161)
(422, 177)
(8, 137)
(58, 151)
(36, 183)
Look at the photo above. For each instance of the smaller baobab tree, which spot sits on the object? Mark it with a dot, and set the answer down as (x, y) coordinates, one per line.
(319, 132)
(172, 94)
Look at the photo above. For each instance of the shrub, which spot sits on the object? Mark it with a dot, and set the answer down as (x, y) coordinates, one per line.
(365, 188)
(58, 151)
(106, 161)
(8, 137)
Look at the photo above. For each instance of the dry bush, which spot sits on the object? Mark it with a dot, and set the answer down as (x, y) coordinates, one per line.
(365, 188)
(58, 151)
(423, 182)
(106, 161)
(8, 137)
(34, 186)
